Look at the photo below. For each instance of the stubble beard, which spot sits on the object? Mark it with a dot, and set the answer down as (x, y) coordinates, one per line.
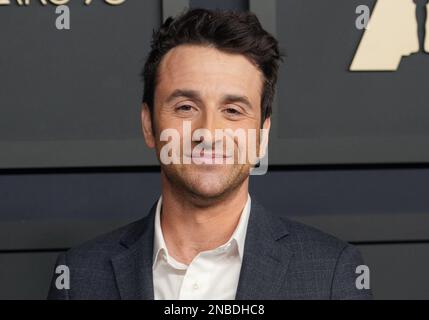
(205, 185)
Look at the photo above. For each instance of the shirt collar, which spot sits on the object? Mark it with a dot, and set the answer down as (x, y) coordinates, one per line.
(238, 236)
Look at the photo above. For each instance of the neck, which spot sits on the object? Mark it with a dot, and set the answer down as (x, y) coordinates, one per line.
(189, 226)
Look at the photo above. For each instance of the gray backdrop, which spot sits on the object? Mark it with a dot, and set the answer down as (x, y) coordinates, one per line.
(72, 98)
(74, 162)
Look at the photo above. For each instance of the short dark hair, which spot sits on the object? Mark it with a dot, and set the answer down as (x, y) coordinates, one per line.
(228, 31)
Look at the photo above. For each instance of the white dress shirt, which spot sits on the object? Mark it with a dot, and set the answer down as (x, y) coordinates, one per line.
(211, 275)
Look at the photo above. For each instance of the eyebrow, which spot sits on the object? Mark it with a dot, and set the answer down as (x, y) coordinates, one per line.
(195, 95)
(183, 93)
(238, 98)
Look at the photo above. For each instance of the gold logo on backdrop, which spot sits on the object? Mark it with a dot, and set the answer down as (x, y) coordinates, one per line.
(396, 29)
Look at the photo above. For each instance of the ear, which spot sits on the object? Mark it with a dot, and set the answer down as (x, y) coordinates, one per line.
(264, 137)
(147, 126)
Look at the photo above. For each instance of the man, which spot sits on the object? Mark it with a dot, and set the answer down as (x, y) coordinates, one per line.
(206, 238)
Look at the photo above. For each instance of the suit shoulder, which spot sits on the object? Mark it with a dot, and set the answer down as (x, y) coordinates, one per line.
(323, 259)
(105, 244)
(313, 242)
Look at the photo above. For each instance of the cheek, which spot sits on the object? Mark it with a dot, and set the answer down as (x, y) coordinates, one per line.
(168, 119)
(165, 122)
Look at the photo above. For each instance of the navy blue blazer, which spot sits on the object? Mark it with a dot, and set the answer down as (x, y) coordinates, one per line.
(282, 259)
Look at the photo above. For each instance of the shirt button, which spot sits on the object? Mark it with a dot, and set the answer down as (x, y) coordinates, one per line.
(195, 286)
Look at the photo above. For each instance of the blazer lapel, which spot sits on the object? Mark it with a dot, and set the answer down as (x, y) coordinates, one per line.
(133, 266)
(263, 270)
(265, 261)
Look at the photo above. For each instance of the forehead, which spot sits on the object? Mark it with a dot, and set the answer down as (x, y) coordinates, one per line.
(209, 71)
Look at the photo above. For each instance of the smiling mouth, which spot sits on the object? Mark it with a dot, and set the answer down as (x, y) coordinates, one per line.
(208, 155)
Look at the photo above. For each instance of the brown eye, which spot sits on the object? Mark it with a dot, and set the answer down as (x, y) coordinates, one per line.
(185, 107)
(232, 111)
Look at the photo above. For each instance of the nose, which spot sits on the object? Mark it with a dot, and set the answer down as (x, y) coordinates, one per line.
(208, 122)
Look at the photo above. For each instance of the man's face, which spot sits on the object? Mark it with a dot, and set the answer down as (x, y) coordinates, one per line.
(208, 89)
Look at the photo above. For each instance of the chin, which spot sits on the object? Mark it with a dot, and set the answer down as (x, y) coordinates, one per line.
(207, 181)
(209, 184)
(213, 181)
